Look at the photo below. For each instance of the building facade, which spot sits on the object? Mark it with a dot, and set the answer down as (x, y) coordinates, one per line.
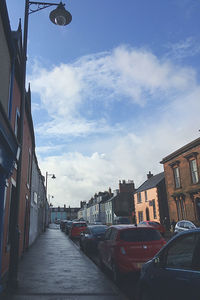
(182, 169)
(63, 213)
(10, 99)
(151, 200)
(15, 182)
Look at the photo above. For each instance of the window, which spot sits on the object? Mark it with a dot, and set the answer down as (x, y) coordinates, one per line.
(139, 200)
(181, 254)
(194, 172)
(178, 210)
(17, 125)
(145, 194)
(177, 177)
(35, 197)
(182, 208)
(29, 168)
(140, 216)
(79, 225)
(154, 209)
(140, 235)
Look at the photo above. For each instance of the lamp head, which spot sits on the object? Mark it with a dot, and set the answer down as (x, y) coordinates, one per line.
(53, 176)
(60, 16)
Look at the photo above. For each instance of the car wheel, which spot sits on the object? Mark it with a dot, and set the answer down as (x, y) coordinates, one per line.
(115, 273)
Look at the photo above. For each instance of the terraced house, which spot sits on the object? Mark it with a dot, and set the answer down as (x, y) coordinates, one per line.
(183, 182)
(151, 199)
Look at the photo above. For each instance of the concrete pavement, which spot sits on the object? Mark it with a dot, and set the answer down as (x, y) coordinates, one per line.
(55, 269)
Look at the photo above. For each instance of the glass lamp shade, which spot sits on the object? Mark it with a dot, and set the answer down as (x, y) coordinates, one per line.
(60, 16)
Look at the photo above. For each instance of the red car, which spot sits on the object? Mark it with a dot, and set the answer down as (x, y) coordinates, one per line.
(76, 229)
(155, 225)
(126, 248)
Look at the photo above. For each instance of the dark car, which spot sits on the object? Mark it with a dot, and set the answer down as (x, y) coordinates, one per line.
(121, 220)
(63, 224)
(90, 238)
(68, 226)
(126, 248)
(174, 272)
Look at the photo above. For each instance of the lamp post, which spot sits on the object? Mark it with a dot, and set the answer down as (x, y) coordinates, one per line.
(52, 176)
(59, 16)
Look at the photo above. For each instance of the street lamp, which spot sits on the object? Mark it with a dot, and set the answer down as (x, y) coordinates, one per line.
(59, 16)
(52, 176)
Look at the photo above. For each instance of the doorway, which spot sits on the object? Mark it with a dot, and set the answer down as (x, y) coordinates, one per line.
(147, 214)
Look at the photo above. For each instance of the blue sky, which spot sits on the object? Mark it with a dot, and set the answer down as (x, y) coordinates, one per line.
(113, 92)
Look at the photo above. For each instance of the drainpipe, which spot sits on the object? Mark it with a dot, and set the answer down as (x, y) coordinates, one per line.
(2, 194)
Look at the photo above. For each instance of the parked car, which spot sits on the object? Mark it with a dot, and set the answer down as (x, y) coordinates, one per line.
(121, 220)
(174, 272)
(126, 248)
(90, 238)
(68, 226)
(57, 221)
(63, 224)
(76, 229)
(183, 225)
(155, 225)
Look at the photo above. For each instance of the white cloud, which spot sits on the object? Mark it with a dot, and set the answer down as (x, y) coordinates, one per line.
(69, 92)
(185, 48)
(126, 150)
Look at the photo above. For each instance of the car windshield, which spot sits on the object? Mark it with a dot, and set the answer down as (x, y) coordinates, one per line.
(98, 229)
(79, 225)
(140, 235)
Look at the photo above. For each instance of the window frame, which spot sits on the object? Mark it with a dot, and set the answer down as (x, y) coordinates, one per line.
(145, 196)
(177, 179)
(140, 213)
(165, 253)
(194, 173)
(17, 124)
(139, 198)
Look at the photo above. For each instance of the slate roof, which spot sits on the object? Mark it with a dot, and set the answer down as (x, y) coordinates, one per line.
(151, 182)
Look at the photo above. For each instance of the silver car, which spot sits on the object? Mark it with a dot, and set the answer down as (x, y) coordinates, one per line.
(184, 225)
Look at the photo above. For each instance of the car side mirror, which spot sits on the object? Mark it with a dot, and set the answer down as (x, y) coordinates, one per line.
(157, 260)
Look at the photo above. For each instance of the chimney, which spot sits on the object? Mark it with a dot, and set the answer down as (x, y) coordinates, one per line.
(109, 191)
(149, 175)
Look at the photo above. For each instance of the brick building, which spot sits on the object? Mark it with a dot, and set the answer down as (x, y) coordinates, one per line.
(182, 182)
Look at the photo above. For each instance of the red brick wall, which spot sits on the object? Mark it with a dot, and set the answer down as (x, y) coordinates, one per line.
(187, 187)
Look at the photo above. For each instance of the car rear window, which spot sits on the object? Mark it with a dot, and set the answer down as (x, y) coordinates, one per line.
(140, 235)
(79, 225)
(154, 223)
(98, 229)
